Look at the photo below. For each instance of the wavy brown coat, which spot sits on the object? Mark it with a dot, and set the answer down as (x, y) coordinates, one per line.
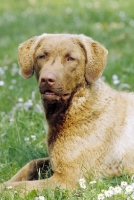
(91, 126)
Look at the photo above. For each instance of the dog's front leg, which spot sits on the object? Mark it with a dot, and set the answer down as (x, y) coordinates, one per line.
(59, 180)
(34, 170)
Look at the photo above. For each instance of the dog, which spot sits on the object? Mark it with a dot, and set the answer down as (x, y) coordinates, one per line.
(91, 125)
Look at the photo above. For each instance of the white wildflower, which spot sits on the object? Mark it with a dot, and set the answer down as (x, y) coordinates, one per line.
(128, 189)
(117, 190)
(115, 82)
(92, 182)
(109, 193)
(82, 180)
(33, 137)
(103, 191)
(40, 146)
(26, 139)
(82, 183)
(14, 69)
(2, 72)
(39, 198)
(28, 104)
(111, 188)
(11, 87)
(11, 120)
(2, 83)
(123, 184)
(9, 187)
(20, 100)
(115, 79)
(101, 196)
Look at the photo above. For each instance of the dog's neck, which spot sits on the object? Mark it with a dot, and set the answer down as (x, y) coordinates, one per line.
(55, 111)
(55, 115)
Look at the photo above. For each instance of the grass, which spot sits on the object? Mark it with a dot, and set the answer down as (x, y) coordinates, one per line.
(109, 22)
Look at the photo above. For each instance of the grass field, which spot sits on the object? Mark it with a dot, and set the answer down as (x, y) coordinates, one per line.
(22, 122)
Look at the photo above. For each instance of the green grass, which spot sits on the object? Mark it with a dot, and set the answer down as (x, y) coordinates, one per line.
(109, 22)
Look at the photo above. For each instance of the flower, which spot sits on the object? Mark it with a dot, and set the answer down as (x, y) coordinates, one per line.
(108, 193)
(10, 187)
(2, 83)
(1, 71)
(20, 100)
(26, 139)
(11, 120)
(92, 182)
(14, 69)
(82, 183)
(111, 188)
(128, 189)
(82, 180)
(28, 104)
(115, 79)
(39, 198)
(11, 87)
(117, 190)
(123, 184)
(101, 196)
(33, 137)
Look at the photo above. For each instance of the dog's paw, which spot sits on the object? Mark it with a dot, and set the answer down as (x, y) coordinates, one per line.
(39, 169)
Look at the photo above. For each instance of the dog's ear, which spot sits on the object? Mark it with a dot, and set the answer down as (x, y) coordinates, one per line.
(25, 57)
(96, 57)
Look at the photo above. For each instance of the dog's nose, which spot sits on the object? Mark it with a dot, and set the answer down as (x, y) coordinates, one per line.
(48, 78)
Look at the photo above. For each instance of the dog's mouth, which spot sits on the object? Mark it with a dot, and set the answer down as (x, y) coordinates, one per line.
(50, 96)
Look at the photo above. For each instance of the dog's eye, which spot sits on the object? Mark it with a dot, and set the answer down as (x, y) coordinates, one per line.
(70, 58)
(42, 56)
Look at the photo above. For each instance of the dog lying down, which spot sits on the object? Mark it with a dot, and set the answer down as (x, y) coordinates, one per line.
(91, 126)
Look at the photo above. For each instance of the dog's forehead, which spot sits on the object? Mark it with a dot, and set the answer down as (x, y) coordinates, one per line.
(60, 41)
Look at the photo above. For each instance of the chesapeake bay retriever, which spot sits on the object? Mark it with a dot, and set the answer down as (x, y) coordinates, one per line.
(91, 126)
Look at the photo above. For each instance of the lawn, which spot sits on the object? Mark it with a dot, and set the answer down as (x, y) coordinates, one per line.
(22, 122)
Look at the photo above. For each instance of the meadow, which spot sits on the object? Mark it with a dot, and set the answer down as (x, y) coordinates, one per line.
(22, 121)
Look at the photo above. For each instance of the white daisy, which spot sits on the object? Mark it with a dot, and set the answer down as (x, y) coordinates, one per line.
(117, 190)
(123, 184)
(101, 196)
(108, 193)
(128, 189)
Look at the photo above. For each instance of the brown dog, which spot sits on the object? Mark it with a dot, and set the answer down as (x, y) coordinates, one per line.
(91, 126)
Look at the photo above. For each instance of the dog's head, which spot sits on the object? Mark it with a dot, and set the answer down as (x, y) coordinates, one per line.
(61, 63)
